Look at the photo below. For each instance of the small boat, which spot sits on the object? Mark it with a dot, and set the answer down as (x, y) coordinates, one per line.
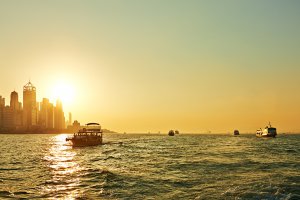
(269, 131)
(89, 136)
(176, 132)
(171, 133)
(236, 132)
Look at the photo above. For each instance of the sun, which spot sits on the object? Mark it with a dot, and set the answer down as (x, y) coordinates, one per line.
(63, 91)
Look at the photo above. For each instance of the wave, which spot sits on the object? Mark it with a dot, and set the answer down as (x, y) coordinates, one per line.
(5, 193)
(11, 169)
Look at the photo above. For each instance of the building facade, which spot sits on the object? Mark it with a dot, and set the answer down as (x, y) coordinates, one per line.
(14, 101)
(2, 105)
(46, 116)
(59, 118)
(70, 119)
(11, 116)
(30, 109)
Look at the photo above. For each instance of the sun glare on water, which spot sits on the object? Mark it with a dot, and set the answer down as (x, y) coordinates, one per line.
(63, 91)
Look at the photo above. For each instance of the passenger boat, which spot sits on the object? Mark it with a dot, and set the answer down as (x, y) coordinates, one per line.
(269, 131)
(171, 133)
(91, 135)
(236, 132)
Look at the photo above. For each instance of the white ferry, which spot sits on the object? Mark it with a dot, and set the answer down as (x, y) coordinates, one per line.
(269, 131)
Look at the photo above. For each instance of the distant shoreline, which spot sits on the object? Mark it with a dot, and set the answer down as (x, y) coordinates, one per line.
(63, 131)
(41, 133)
(162, 134)
(23, 133)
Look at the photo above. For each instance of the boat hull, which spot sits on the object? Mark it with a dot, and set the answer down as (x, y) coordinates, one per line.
(265, 136)
(236, 133)
(82, 142)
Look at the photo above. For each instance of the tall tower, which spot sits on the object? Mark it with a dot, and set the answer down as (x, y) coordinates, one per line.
(2, 105)
(29, 106)
(46, 114)
(14, 101)
(50, 116)
(15, 110)
(70, 118)
(2, 102)
(43, 119)
(59, 119)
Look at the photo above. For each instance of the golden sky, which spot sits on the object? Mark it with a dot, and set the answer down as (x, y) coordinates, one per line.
(140, 66)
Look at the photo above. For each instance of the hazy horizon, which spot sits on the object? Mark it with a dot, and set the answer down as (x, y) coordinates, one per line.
(149, 66)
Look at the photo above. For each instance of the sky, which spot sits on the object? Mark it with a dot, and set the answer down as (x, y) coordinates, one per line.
(149, 66)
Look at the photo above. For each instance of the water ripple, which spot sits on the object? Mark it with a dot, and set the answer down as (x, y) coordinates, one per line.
(151, 167)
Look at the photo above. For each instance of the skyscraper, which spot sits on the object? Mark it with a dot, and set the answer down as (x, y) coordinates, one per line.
(70, 119)
(14, 101)
(15, 110)
(50, 117)
(8, 118)
(29, 106)
(2, 102)
(43, 114)
(2, 105)
(59, 119)
(46, 114)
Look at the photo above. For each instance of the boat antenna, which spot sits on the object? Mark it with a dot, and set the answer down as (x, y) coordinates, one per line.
(270, 124)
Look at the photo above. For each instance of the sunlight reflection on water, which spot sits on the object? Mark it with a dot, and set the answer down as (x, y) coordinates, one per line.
(150, 167)
(63, 169)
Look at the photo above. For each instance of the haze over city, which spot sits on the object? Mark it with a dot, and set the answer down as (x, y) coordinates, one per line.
(140, 66)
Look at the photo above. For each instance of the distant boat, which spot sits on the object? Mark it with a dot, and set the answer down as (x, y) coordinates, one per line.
(171, 133)
(236, 132)
(269, 131)
(177, 132)
(89, 136)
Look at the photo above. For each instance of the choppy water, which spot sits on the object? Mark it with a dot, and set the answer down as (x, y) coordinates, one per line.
(151, 167)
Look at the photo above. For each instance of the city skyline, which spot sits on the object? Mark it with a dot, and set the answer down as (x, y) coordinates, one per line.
(149, 99)
(150, 66)
(31, 115)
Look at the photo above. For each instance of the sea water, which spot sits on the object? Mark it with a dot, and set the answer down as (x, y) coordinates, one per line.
(150, 167)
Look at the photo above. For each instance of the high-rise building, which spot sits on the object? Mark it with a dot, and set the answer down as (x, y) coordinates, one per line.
(59, 118)
(29, 106)
(14, 101)
(2, 105)
(2, 102)
(8, 118)
(46, 114)
(11, 116)
(43, 114)
(70, 119)
(50, 116)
